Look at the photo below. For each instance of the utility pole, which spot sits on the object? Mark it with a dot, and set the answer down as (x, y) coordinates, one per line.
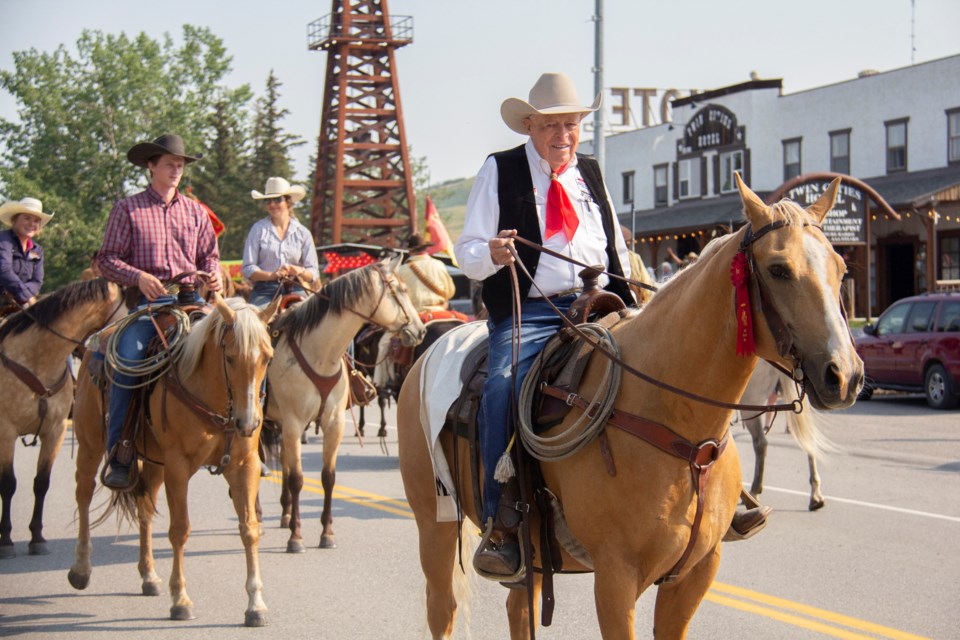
(599, 146)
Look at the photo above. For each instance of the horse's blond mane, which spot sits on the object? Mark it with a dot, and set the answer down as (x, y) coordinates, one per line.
(249, 330)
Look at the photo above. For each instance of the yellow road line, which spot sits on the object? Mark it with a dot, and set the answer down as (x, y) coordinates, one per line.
(742, 599)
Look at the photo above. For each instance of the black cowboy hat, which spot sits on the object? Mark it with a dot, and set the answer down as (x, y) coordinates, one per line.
(167, 143)
(416, 243)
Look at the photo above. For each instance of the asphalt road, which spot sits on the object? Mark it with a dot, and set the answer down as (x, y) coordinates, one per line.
(879, 561)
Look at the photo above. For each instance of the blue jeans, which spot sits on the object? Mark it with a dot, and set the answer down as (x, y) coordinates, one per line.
(264, 292)
(540, 323)
(132, 343)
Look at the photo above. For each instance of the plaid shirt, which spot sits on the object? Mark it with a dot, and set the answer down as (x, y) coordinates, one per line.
(144, 234)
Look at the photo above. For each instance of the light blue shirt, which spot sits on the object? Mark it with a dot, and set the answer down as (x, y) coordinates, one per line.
(265, 251)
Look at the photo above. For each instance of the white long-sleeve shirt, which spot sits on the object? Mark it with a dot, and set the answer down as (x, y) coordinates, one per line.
(588, 245)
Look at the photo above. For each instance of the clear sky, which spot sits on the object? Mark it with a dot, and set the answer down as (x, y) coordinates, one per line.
(468, 56)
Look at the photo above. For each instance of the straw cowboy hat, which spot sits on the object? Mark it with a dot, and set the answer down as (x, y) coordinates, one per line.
(27, 205)
(553, 93)
(279, 187)
(416, 243)
(167, 143)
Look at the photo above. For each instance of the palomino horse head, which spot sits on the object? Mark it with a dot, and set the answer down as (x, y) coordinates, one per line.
(395, 311)
(234, 337)
(796, 289)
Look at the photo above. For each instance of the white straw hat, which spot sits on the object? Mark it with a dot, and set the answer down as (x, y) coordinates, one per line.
(27, 205)
(279, 187)
(553, 93)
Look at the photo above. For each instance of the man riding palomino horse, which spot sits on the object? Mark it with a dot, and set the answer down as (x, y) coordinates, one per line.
(150, 237)
(545, 192)
(430, 288)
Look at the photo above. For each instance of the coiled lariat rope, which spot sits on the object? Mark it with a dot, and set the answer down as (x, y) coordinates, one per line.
(590, 422)
(151, 369)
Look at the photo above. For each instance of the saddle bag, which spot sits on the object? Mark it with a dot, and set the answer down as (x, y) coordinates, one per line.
(362, 391)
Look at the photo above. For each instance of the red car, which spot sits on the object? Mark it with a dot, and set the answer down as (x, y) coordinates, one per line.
(915, 346)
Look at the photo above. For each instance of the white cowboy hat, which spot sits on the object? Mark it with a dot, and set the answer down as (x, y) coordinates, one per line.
(27, 205)
(280, 187)
(553, 93)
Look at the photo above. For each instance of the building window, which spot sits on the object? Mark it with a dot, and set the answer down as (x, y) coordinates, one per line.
(896, 146)
(791, 159)
(627, 187)
(949, 258)
(660, 185)
(840, 151)
(729, 163)
(953, 136)
(689, 178)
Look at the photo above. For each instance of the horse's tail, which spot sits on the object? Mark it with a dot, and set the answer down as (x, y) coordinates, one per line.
(806, 426)
(271, 439)
(124, 504)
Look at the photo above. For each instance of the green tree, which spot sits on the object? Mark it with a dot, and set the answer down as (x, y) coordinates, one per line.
(80, 111)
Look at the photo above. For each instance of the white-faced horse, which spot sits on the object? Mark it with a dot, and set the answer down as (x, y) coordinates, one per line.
(307, 377)
(637, 526)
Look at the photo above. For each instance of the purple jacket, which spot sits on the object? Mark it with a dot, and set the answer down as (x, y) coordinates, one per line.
(21, 274)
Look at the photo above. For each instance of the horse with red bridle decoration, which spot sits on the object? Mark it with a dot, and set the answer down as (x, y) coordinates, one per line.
(661, 518)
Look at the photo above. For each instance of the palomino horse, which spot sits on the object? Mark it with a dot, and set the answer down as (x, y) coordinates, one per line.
(306, 377)
(38, 390)
(634, 526)
(762, 384)
(204, 411)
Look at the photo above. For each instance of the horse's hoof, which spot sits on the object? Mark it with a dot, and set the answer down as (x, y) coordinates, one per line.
(816, 505)
(382, 433)
(295, 546)
(180, 612)
(255, 619)
(7, 551)
(152, 589)
(38, 549)
(78, 580)
(328, 542)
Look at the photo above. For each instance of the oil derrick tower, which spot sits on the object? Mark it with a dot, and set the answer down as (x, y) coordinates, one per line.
(363, 191)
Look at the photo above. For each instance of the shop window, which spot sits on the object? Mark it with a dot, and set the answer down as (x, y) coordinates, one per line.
(660, 185)
(791, 159)
(953, 136)
(729, 164)
(628, 187)
(896, 146)
(689, 178)
(840, 151)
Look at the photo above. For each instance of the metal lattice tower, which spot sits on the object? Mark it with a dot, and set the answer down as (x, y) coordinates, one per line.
(364, 188)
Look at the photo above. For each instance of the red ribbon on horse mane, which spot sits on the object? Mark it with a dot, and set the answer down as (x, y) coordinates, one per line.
(740, 277)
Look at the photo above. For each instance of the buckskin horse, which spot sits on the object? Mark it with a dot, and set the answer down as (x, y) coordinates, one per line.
(204, 411)
(38, 389)
(307, 377)
(658, 515)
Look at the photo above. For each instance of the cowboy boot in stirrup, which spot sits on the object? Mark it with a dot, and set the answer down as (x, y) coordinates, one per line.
(499, 555)
(747, 523)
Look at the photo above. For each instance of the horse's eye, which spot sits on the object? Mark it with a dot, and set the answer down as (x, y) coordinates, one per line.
(779, 272)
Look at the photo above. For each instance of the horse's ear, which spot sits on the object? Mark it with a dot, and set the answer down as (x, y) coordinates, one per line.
(391, 262)
(269, 312)
(824, 203)
(754, 209)
(226, 311)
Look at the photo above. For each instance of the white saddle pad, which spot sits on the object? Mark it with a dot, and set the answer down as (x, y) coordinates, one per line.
(440, 387)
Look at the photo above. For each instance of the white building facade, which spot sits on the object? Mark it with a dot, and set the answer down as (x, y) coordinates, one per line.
(895, 134)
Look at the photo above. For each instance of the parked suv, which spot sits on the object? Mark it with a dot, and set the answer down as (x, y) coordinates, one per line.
(915, 346)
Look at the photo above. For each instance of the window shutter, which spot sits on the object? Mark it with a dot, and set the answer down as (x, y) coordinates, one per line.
(703, 176)
(676, 181)
(716, 174)
(746, 166)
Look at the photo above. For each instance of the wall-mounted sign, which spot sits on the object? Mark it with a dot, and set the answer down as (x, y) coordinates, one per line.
(844, 223)
(624, 116)
(712, 126)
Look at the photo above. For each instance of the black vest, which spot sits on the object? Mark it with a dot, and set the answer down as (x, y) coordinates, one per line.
(518, 210)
